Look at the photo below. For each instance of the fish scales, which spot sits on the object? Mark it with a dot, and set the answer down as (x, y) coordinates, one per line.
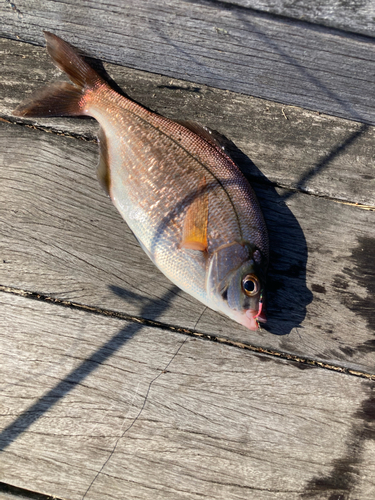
(180, 156)
(167, 181)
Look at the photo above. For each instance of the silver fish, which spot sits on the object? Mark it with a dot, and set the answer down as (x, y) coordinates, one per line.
(193, 212)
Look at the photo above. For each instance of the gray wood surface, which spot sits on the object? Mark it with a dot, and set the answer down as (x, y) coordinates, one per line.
(224, 46)
(357, 16)
(113, 383)
(62, 238)
(87, 412)
(289, 146)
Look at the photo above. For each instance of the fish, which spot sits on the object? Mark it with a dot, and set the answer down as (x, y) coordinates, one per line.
(190, 207)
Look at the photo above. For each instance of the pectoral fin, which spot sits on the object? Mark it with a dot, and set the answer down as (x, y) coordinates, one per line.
(103, 171)
(194, 234)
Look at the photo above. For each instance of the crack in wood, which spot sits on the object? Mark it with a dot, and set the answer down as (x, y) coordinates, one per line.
(48, 130)
(302, 361)
(136, 417)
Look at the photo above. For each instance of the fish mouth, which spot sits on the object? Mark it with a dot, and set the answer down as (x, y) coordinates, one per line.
(252, 318)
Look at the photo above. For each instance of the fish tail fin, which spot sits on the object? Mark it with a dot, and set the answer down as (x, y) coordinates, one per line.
(61, 98)
(58, 99)
(68, 60)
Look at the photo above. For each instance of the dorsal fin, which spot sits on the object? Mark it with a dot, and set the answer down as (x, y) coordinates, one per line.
(194, 233)
(103, 171)
(204, 132)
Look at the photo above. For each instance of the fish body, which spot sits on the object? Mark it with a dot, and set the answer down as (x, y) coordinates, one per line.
(188, 204)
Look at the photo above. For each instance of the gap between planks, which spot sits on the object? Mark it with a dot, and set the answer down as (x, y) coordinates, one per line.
(49, 130)
(186, 331)
(10, 492)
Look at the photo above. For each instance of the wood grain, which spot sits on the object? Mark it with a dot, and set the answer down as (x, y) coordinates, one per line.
(214, 43)
(62, 238)
(289, 146)
(355, 16)
(140, 412)
(96, 407)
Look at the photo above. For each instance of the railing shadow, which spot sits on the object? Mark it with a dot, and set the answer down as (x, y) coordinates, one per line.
(11, 432)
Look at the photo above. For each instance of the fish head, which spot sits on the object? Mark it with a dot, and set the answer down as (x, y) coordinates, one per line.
(235, 283)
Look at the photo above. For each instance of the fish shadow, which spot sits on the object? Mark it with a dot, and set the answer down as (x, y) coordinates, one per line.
(287, 293)
(98, 66)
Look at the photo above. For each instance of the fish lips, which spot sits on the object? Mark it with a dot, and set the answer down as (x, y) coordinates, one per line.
(250, 319)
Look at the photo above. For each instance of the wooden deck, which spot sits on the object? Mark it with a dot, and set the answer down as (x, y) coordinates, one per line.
(115, 384)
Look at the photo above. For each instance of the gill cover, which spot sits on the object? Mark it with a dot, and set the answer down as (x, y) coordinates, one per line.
(229, 266)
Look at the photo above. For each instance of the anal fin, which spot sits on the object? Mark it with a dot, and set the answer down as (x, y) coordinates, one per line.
(194, 233)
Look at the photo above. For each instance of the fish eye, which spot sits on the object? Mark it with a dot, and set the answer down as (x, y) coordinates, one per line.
(250, 285)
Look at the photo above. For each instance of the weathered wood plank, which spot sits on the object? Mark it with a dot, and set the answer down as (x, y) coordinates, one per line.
(292, 147)
(355, 16)
(217, 44)
(100, 408)
(61, 237)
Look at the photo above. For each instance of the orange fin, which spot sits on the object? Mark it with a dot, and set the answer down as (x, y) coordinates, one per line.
(61, 98)
(103, 170)
(194, 233)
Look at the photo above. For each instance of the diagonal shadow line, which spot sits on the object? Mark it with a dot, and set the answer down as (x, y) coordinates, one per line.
(323, 164)
(185, 54)
(244, 16)
(135, 419)
(286, 18)
(76, 376)
(301, 183)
